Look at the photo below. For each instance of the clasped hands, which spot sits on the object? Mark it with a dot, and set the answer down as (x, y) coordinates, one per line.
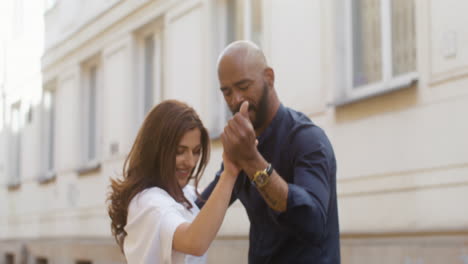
(239, 140)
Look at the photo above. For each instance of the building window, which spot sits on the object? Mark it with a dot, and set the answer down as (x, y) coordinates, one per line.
(29, 115)
(9, 258)
(380, 47)
(91, 116)
(148, 72)
(83, 262)
(403, 37)
(49, 121)
(15, 145)
(240, 20)
(151, 70)
(149, 39)
(256, 21)
(2, 111)
(91, 153)
(41, 261)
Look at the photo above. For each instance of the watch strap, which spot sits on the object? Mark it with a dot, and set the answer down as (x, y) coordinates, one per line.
(269, 169)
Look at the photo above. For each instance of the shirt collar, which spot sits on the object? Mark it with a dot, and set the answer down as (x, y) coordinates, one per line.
(275, 122)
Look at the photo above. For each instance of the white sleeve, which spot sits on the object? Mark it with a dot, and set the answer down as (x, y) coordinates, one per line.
(149, 237)
(169, 223)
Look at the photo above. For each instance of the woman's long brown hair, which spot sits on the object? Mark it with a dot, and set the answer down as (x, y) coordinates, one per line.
(151, 161)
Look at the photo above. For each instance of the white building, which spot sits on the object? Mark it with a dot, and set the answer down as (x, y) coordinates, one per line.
(386, 79)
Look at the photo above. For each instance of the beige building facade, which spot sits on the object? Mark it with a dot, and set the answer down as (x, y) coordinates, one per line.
(387, 80)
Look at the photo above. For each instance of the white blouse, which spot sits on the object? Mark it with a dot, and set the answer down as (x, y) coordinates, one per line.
(153, 216)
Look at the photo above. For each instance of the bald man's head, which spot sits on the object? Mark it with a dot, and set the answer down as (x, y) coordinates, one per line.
(242, 53)
(245, 76)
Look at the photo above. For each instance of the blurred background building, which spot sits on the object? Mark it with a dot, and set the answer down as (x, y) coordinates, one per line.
(386, 79)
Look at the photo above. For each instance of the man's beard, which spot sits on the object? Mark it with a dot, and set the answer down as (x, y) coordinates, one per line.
(260, 111)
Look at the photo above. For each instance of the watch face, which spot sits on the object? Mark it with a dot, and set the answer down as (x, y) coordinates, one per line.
(261, 179)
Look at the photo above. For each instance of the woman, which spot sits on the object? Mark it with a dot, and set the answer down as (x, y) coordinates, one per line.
(154, 217)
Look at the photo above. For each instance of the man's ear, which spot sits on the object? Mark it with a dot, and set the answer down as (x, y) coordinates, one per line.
(269, 76)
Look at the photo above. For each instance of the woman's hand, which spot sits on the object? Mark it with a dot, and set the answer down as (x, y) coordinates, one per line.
(229, 167)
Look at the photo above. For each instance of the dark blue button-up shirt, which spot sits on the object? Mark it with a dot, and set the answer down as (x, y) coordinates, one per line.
(307, 232)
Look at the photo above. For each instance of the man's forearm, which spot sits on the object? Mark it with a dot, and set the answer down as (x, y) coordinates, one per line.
(275, 192)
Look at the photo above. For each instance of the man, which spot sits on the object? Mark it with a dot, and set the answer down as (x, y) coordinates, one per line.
(288, 179)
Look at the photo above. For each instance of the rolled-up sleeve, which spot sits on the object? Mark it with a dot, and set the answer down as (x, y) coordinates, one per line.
(309, 191)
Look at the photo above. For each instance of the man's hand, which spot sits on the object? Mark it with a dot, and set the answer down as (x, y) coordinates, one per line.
(238, 138)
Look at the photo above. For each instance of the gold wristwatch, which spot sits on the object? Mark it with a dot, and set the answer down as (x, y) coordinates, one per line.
(262, 177)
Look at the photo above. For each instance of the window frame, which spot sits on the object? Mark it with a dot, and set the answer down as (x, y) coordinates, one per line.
(15, 135)
(244, 22)
(154, 30)
(91, 164)
(9, 258)
(2, 109)
(41, 260)
(49, 127)
(348, 93)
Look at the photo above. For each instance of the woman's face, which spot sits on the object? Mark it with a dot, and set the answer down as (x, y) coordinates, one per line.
(187, 155)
